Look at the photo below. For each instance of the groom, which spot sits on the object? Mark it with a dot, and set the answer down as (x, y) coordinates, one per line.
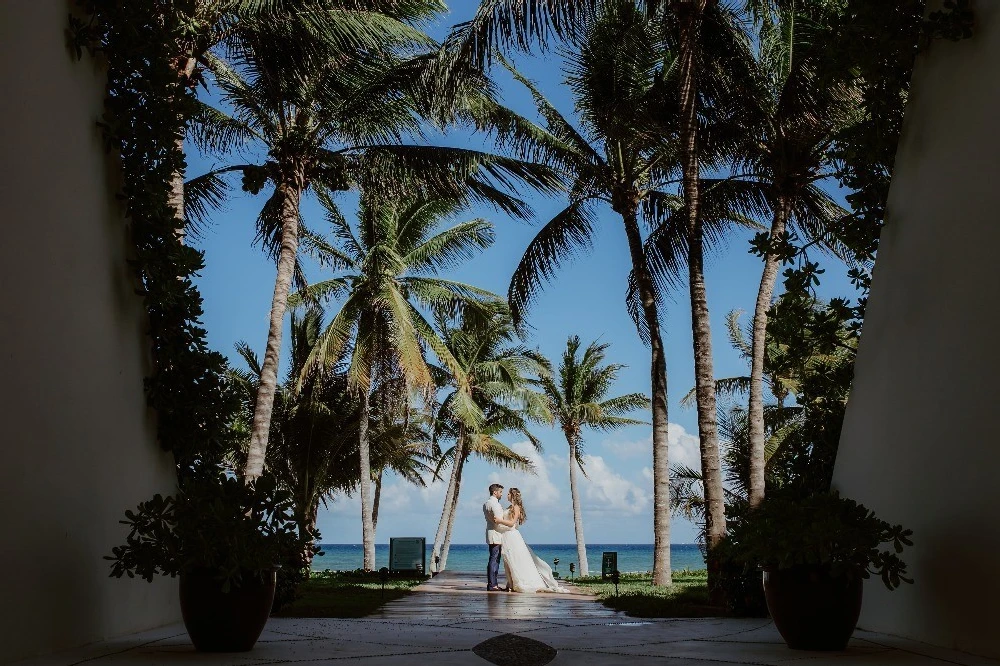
(493, 512)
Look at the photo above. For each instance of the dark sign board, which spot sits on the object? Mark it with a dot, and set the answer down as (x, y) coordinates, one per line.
(609, 563)
(408, 554)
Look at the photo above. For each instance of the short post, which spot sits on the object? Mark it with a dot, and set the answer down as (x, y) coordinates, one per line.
(572, 568)
(615, 577)
(383, 575)
(555, 569)
(437, 564)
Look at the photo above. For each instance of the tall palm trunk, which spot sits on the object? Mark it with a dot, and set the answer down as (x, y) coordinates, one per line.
(446, 508)
(691, 13)
(367, 523)
(311, 516)
(759, 347)
(176, 198)
(378, 496)
(451, 514)
(662, 574)
(708, 432)
(267, 385)
(581, 544)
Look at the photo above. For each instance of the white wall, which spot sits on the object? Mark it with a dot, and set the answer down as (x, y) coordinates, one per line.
(921, 441)
(78, 440)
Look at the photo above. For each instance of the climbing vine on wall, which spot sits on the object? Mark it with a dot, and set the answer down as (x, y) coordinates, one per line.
(145, 112)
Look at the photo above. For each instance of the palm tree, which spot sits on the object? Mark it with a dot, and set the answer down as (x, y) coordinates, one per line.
(299, 31)
(400, 435)
(687, 494)
(338, 127)
(623, 156)
(386, 273)
(578, 399)
(797, 124)
(791, 362)
(313, 437)
(498, 374)
(688, 71)
(712, 67)
(311, 432)
(780, 374)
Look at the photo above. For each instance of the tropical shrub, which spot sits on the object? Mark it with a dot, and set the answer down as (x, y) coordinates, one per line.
(822, 530)
(214, 523)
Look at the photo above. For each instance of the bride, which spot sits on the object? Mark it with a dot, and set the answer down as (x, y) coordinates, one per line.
(526, 572)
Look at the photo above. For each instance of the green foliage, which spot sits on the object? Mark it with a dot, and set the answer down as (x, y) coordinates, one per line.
(818, 343)
(215, 522)
(312, 442)
(494, 391)
(293, 573)
(577, 394)
(875, 44)
(387, 264)
(637, 596)
(821, 530)
(347, 594)
(146, 104)
(741, 586)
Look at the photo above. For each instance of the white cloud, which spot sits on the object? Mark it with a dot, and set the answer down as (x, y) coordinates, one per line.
(683, 447)
(537, 489)
(606, 490)
(633, 449)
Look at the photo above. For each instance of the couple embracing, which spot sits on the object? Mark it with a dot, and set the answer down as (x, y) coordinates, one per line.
(525, 571)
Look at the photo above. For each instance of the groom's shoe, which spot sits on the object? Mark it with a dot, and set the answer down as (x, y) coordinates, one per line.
(494, 589)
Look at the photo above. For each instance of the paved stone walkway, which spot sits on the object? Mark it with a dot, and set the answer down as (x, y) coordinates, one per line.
(464, 596)
(463, 626)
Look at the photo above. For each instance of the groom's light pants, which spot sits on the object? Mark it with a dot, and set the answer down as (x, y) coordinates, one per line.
(493, 568)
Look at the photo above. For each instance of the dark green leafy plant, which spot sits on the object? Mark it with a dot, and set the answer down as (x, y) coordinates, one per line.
(822, 530)
(214, 523)
(144, 116)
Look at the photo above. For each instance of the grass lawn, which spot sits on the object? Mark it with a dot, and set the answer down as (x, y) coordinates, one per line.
(345, 594)
(687, 597)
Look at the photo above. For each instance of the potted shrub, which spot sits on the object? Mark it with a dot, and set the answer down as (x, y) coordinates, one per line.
(815, 553)
(224, 539)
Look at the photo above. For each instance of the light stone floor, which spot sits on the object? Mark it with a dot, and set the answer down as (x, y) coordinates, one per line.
(448, 618)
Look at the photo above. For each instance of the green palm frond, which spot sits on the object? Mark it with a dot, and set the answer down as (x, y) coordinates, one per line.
(577, 394)
(737, 338)
(502, 23)
(320, 292)
(215, 131)
(727, 387)
(203, 195)
(558, 127)
(495, 452)
(325, 253)
(568, 233)
(450, 173)
(625, 404)
(451, 247)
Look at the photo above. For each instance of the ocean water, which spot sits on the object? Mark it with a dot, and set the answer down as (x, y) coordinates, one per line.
(472, 557)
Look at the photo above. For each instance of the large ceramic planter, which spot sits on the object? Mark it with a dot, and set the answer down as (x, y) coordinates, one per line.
(812, 610)
(220, 621)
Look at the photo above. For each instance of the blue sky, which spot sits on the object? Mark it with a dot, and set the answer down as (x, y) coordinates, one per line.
(586, 299)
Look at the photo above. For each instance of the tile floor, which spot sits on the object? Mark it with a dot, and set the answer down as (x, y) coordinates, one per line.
(451, 615)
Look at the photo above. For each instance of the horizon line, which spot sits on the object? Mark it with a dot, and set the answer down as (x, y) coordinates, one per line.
(679, 543)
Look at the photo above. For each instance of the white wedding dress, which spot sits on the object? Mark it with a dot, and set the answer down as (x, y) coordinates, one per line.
(526, 572)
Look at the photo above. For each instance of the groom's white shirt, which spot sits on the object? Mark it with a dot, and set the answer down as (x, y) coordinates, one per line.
(493, 512)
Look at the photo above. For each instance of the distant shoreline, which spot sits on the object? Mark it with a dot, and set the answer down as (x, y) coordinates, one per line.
(548, 545)
(472, 557)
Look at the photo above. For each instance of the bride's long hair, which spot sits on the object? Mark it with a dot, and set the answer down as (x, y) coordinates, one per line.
(515, 500)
